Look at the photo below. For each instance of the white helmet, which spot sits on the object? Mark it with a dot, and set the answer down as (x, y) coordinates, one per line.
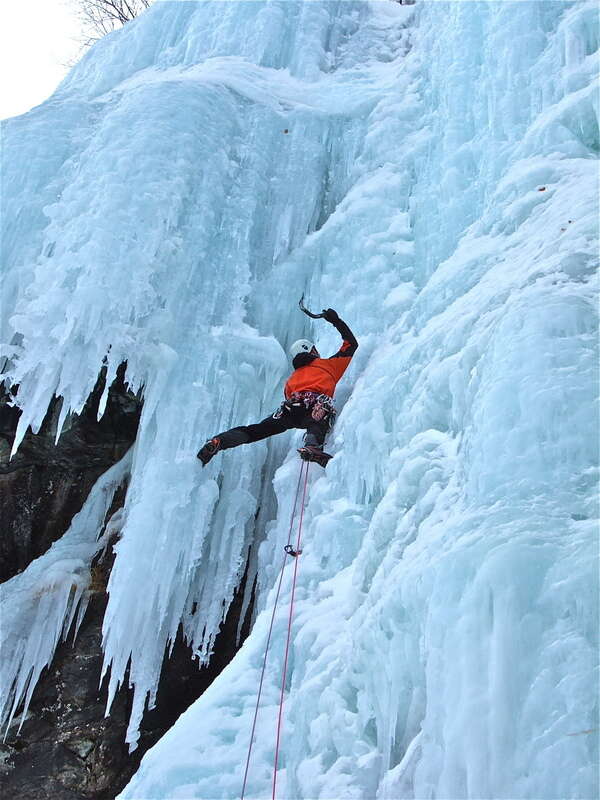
(301, 346)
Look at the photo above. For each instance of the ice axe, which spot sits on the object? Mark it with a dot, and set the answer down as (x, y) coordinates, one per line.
(306, 311)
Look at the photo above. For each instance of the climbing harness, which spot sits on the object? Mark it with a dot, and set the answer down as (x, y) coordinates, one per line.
(295, 552)
(320, 406)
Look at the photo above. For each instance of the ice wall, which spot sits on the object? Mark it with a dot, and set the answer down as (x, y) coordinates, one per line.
(430, 172)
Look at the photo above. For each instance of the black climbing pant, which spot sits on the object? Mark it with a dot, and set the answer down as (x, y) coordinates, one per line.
(290, 418)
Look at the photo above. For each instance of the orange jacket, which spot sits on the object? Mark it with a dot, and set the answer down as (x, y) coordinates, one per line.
(322, 374)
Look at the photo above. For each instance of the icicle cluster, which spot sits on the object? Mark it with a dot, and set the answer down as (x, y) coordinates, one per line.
(430, 172)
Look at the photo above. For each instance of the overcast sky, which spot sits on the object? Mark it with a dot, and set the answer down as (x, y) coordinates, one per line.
(36, 41)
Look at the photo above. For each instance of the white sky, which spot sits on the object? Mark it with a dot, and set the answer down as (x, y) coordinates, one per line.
(37, 39)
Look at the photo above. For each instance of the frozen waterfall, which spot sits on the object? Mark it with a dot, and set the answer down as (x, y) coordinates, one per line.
(430, 171)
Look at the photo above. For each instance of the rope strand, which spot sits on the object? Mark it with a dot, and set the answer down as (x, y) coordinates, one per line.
(289, 632)
(262, 675)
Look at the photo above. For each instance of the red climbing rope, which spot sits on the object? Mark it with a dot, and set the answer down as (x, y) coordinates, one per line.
(262, 675)
(289, 631)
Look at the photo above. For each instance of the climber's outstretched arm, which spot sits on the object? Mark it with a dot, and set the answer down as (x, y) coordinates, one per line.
(349, 344)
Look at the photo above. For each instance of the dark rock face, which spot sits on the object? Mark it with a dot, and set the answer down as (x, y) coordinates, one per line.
(67, 749)
(44, 485)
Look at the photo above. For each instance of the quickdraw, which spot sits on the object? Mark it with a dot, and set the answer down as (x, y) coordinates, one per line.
(323, 407)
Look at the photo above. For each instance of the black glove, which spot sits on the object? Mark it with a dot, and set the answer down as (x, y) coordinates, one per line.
(330, 315)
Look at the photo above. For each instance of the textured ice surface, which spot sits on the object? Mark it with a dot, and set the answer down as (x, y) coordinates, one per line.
(431, 172)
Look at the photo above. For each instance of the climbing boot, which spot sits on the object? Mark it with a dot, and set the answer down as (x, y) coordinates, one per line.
(311, 452)
(208, 450)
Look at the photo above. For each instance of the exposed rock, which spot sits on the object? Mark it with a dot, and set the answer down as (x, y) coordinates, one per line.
(45, 484)
(67, 749)
(81, 747)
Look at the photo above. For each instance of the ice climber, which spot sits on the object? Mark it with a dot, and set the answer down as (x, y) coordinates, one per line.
(308, 400)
